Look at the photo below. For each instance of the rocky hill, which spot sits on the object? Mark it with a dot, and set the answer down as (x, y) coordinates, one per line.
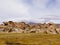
(22, 27)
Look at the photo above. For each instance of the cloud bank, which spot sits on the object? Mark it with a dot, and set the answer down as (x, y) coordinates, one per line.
(29, 10)
(13, 9)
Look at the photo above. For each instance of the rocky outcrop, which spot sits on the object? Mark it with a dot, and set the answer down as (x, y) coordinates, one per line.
(22, 27)
(9, 23)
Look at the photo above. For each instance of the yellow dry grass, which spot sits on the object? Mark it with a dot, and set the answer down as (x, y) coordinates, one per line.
(29, 39)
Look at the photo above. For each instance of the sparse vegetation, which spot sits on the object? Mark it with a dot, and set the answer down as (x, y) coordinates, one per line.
(20, 33)
(29, 39)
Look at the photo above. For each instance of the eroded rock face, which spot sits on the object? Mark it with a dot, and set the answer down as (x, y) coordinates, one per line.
(22, 27)
(31, 26)
(9, 23)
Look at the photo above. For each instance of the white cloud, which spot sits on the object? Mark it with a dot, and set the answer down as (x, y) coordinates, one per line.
(29, 9)
(13, 6)
(13, 9)
(40, 8)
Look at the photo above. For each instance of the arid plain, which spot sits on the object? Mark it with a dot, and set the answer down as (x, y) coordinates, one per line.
(20, 33)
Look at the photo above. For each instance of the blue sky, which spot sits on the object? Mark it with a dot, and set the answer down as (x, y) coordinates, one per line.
(30, 10)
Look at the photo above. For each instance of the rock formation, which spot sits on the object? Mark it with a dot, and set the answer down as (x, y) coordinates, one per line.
(22, 27)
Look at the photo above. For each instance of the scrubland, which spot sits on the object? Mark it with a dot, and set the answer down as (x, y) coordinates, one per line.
(29, 39)
(20, 33)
